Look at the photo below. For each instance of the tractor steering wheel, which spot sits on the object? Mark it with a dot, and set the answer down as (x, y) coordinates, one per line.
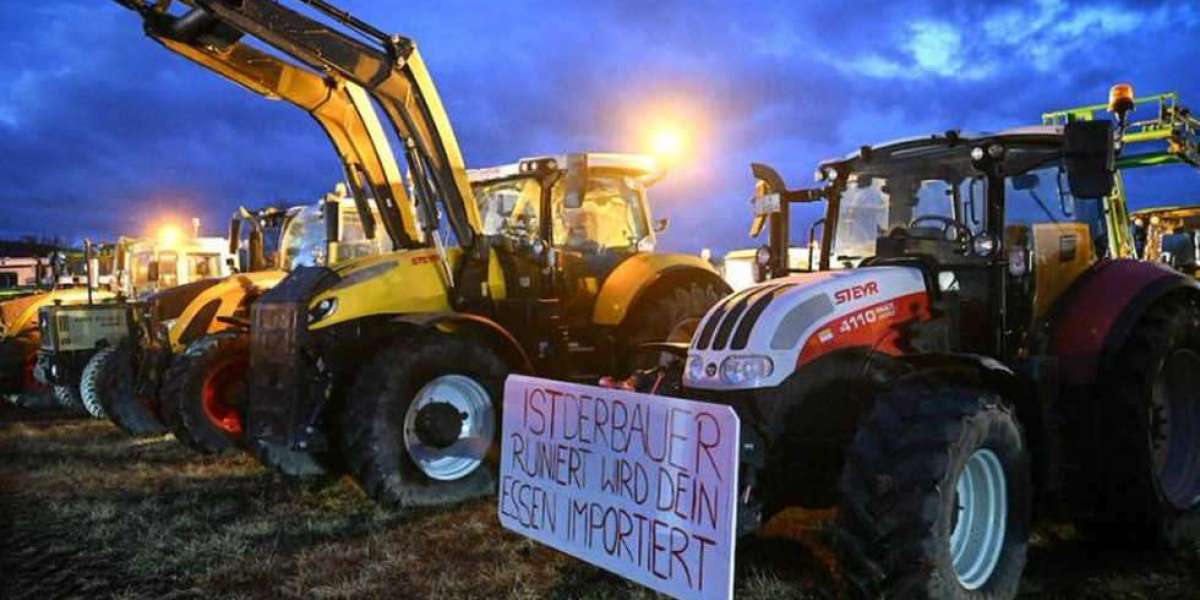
(962, 233)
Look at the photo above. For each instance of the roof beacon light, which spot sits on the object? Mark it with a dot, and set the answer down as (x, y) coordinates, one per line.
(1120, 101)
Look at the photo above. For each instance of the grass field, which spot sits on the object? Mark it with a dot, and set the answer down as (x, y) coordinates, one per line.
(87, 512)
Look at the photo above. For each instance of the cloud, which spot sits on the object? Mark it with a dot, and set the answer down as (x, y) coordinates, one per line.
(101, 129)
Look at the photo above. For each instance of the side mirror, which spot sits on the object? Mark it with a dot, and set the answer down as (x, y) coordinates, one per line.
(152, 270)
(235, 233)
(576, 180)
(1090, 157)
(661, 225)
(333, 219)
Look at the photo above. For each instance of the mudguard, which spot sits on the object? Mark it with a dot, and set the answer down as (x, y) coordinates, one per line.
(218, 300)
(638, 273)
(510, 348)
(1094, 318)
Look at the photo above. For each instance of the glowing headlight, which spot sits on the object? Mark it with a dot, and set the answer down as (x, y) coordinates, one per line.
(984, 245)
(737, 370)
(322, 310)
(695, 367)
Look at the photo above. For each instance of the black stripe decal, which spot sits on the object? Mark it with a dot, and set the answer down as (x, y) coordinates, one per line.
(742, 336)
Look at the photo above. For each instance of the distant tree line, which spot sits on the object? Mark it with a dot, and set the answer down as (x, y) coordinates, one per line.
(31, 245)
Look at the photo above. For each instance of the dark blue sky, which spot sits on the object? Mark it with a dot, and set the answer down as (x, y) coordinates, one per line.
(103, 131)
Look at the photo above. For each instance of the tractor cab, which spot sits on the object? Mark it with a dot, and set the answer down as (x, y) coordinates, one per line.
(579, 214)
(1170, 235)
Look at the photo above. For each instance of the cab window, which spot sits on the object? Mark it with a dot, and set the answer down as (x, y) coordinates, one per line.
(611, 215)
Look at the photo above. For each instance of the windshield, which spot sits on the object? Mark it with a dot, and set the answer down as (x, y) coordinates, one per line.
(610, 216)
(919, 193)
(304, 241)
(902, 195)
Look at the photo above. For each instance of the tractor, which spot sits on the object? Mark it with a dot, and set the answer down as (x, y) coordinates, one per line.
(391, 366)
(129, 380)
(977, 345)
(149, 383)
(128, 268)
(1168, 234)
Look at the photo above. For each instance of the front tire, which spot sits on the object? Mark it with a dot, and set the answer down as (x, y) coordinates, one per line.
(203, 397)
(936, 496)
(116, 389)
(1149, 463)
(68, 397)
(421, 425)
(89, 391)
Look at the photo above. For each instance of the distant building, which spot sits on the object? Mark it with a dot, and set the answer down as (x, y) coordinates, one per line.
(20, 271)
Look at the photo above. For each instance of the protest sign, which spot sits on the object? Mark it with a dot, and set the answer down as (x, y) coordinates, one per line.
(644, 486)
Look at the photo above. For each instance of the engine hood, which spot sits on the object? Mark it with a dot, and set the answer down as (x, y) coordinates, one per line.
(788, 322)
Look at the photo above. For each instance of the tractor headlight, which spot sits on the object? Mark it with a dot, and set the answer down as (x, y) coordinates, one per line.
(763, 256)
(695, 367)
(738, 370)
(985, 245)
(322, 310)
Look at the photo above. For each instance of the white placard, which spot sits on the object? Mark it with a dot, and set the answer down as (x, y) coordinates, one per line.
(644, 486)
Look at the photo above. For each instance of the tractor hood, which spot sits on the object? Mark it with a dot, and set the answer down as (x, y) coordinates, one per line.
(759, 336)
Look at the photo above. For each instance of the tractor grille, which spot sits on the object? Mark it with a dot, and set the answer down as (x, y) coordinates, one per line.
(275, 385)
(733, 321)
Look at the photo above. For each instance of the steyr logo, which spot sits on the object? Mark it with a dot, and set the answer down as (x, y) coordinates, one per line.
(854, 293)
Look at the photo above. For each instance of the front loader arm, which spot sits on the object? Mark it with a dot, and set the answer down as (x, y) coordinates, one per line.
(342, 108)
(392, 71)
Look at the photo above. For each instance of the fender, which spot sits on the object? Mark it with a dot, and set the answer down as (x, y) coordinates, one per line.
(634, 276)
(1096, 315)
(507, 343)
(221, 299)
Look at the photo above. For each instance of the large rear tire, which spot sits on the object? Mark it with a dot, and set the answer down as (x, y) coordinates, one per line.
(89, 391)
(203, 396)
(665, 317)
(1149, 420)
(116, 389)
(421, 424)
(936, 495)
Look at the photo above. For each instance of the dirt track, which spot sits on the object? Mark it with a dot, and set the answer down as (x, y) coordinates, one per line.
(87, 512)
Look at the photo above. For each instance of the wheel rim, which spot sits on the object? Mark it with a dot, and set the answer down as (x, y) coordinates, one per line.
(977, 536)
(222, 387)
(461, 457)
(1175, 429)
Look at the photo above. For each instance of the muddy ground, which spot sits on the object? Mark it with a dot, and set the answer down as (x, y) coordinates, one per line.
(87, 512)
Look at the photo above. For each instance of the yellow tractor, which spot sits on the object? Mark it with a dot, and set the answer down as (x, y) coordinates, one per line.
(543, 266)
(1168, 234)
(129, 380)
(44, 333)
(137, 383)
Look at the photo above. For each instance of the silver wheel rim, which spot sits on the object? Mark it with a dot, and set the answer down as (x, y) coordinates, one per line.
(475, 438)
(977, 539)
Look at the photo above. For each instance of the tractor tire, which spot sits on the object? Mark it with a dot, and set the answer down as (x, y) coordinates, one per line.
(936, 472)
(68, 397)
(1148, 466)
(401, 428)
(117, 391)
(89, 390)
(18, 363)
(669, 317)
(203, 396)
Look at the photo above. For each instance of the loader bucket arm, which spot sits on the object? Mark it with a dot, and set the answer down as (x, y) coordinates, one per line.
(342, 109)
(391, 69)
